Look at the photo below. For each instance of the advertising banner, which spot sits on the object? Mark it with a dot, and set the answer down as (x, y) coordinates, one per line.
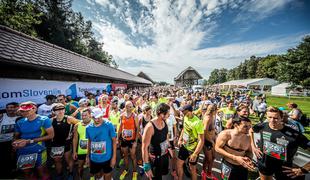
(117, 87)
(21, 90)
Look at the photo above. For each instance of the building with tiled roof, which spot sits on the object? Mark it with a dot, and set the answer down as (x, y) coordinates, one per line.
(22, 56)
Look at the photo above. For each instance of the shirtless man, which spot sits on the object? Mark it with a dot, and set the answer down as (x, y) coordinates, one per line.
(235, 146)
(209, 132)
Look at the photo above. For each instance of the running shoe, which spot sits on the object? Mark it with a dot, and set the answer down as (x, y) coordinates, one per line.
(123, 175)
(134, 176)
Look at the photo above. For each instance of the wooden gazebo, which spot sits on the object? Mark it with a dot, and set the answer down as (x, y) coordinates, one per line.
(187, 78)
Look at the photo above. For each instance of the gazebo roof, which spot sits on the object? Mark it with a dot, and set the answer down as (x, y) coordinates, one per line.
(187, 70)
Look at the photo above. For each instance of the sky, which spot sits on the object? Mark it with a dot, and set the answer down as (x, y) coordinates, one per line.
(164, 37)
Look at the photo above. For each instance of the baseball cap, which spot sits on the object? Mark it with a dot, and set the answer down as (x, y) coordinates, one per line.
(26, 106)
(83, 101)
(186, 107)
(97, 112)
(58, 106)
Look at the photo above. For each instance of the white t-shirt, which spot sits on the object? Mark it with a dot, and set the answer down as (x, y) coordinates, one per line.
(170, 123)
(45, 110)
(262, 107)
(7, 128)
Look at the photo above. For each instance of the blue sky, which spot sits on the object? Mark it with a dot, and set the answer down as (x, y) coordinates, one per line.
(163, 37)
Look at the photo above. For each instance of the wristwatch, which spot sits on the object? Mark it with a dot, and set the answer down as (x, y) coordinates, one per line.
(31, 141)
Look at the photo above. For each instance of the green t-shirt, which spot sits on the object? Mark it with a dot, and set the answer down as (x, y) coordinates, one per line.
(191, 129)
(115, 119)
(228, 113)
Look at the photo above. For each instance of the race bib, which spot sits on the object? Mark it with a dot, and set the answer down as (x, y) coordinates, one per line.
(275, 150)
(225, 172)
(8, 128)
(27, 161)
(185, 138)
(83, 143)
(98, 147)
(127, 133)
(57, 151)
(228, 116)
(164, 147)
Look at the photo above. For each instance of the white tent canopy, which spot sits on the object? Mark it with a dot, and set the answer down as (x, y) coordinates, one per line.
(251, 82)
(280, 89)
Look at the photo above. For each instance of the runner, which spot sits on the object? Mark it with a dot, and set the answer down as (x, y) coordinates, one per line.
(172, 137)
(46, 108)
(30, 134)
(61, 143)
(7, 128)
(83, 104)
(80, 142)
(104, 105)
(235, 146)
(155, 145)
(128, 138)
(229, 113)
(101, 153)
(70, 108)
(278, 145)
(190, 142)
(209, 133)
(143, 118)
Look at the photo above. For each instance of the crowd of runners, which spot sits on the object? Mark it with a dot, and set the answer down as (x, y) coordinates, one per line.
(158, 129)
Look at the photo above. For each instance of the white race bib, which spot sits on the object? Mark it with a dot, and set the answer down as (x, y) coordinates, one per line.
(83, 143)
(98, 147)
(127, 133)
(275, 150)
(185, 138)
(57, 151)
(164, 147)
(27, 161)
(225, 172)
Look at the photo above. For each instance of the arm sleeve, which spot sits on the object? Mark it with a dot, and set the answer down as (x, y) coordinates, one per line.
(112, 130)
(47, 123)
(17, 128)
(256, 128)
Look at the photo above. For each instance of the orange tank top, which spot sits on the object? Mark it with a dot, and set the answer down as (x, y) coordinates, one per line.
(128, 128)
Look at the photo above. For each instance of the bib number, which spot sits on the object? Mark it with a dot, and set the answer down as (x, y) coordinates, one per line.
(57, 151)
(185, 138)
(98, 147)
(225, 172)
(164, 147)
(275, 150)
(83, 143)
(8, 128)
(127, 134)
(27, 161)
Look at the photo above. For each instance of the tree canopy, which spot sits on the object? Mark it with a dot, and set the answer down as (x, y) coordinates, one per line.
(292, 67)
(54, 21)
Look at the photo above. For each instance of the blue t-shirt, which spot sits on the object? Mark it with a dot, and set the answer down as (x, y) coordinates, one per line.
(101, 141)
(31, 130)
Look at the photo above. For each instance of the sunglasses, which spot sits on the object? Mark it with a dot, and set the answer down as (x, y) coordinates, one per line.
(59, 109)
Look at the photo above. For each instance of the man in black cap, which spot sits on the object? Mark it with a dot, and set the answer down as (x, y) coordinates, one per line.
(190, 142)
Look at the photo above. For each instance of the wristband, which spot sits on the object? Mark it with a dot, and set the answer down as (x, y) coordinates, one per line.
(303, 170)
(147, 167)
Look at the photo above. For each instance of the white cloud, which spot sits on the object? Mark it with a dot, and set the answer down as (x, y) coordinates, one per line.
(260, 9)
(172, 35)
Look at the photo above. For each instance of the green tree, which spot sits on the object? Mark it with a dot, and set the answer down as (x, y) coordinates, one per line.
(268, 66)
(19, 15)
(296, 65)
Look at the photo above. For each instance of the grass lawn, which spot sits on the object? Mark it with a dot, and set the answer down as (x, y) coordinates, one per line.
(302, 102)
